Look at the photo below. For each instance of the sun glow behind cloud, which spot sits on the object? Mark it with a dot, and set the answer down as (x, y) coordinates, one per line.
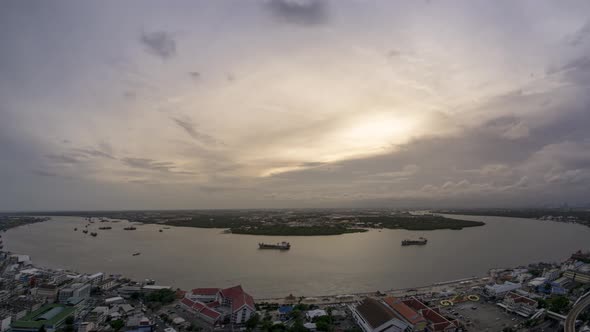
(279, 102)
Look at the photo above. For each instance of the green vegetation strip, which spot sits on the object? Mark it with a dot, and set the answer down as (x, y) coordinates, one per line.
(296, 230)
(419, 223)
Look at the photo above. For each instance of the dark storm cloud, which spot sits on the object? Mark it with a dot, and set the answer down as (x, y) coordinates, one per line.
(159, 43)
(303, 12)
(190, 129)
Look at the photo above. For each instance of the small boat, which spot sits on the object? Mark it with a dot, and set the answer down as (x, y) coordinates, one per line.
(160, 231)
(85, 231)
(420, 242)
(94, 233)
(136, 254)
(130, 228)
(281, 246)
(75, 229)
(105, 227)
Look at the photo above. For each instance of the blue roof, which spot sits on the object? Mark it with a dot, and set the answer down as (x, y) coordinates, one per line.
(285, 309)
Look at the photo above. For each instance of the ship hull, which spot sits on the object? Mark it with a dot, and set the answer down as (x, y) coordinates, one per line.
(272, 246)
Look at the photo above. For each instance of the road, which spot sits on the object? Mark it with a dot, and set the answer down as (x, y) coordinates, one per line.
(570, 322)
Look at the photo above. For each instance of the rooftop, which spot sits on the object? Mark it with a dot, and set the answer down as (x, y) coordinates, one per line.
(404, 310)
(47, 315)
(375, 312)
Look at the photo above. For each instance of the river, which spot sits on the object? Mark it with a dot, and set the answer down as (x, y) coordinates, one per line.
(316, 265)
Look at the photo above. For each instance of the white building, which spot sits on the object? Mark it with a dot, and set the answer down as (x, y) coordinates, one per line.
(499, 290)
(78, 290)
(311, 314)
(518, 304)
(96, 278)
(215, 304)
(551, 274)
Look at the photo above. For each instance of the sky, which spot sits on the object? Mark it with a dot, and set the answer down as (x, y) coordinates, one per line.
(293, 104)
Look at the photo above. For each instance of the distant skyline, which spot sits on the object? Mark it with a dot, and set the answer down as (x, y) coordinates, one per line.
(109, 105)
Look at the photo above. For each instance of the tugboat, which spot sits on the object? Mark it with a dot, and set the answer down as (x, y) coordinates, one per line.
(420, 242)
(130, 228)
(94, 234)
(281, 246)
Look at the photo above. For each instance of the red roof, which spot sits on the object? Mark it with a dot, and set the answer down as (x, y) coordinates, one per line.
(187, 302)
(404, 310)
(212, 304)
(210, 313)
(437, 321)
(205, 291)
(238, 297)
(521, 299)
(198, 306)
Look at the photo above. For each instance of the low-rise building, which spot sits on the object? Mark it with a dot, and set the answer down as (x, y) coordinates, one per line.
(107, 284)
(499, 290)
(98, 315)
(436, 322)
(74, 290)
(580, 274)
(139, 323)
(232, 303)
(311, 314)
(551, 274)
(407, 314)
(203, 294)
(48, 291)
(95, 279)
(51, 317)
(519, 304)
(560, 286)
(373, 315)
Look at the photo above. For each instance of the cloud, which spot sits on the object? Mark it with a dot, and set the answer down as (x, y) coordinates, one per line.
(44, 173)
(579, 36)
(149, 164)
(190, 129)
(63, 159)
(312, 164)
(509, 127)
(195, 75)
(302, 12)
(91, 152)
(159, 43)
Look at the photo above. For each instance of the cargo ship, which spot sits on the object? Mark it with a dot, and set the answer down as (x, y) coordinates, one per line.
(105, 227)
(130, 228)
(420, 242)
(281, 246)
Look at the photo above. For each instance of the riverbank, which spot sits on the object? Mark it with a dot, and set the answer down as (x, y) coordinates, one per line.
(9, 221)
